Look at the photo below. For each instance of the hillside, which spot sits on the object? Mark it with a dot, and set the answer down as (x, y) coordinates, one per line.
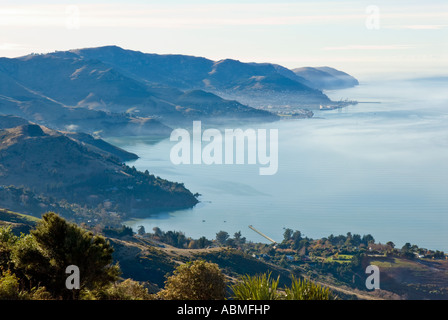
(148, 259)
(144, 259)
(101, 146)
(81, 173)
(187, 72)
(248, 83)
(112, 91)
(414, 278)
(93, 143)
(18, 222)
(326, 78)
(19, 100)
(65, 90)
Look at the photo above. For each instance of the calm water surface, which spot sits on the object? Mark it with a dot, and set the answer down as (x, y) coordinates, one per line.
(379, 167)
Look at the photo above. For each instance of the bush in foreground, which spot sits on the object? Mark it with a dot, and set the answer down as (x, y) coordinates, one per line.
(198, 280)
(263, 287)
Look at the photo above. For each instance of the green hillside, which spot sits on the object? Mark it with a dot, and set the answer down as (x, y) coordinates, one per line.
(17, 221)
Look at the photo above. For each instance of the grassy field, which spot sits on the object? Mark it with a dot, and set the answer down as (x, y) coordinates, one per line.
(17, 221)
(414, 278)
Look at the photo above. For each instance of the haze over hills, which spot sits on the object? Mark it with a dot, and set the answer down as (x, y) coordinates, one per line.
(326, 78)
(113, 91)
(110, 91)
(17, 99)
(185, 72)
(64, 90)
(92, 143)
(249, 83)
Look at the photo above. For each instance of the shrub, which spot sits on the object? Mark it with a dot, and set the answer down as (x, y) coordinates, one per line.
(126, 290)
(302, 289)
(198, 280)
(261, 287)
(9, 287)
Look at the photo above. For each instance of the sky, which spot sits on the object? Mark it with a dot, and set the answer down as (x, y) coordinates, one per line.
(364, 38)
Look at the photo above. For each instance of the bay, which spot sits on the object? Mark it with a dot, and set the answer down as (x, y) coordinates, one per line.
(379, 167)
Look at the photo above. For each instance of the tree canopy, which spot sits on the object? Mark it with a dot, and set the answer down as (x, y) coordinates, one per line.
(40, 258)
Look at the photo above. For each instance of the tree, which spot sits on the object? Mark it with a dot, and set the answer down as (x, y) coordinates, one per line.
(349, 240)
(55, 244)
(203, 242)
(367, 239)
(157, 232)
(296, 238)
(9, 287)
(406, 251)
(287, 235)
(406, 248)
(141, 230)
(126, 290)
(7, 241)
(237, 235)
(238, 240)
(222, 237)
(391, 244)
(118, 232)
(356, 240)
(175, 238)
(198, 280)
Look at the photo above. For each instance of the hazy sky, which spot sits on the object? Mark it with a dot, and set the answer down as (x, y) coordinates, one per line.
(360, 37)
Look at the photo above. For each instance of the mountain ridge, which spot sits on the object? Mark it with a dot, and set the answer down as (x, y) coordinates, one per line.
(110, 90)
(326, 78)
(224, 76)
(67, 83)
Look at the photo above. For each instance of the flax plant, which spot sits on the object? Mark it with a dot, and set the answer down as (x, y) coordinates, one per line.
(303, 289)
(261, 287)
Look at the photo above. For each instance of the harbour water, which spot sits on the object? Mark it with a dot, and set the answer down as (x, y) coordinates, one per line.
(379, 167)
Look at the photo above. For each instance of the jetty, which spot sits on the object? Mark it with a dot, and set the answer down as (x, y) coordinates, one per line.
(262, 234)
